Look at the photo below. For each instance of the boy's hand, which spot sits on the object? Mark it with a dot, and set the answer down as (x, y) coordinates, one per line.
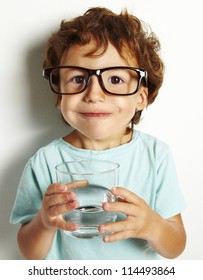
(141, 219)
(57, 200)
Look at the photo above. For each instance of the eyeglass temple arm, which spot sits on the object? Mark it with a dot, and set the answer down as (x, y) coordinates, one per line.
(45, 74)
(144, 76)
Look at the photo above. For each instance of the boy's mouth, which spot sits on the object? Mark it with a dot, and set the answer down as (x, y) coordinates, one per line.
(95, 115)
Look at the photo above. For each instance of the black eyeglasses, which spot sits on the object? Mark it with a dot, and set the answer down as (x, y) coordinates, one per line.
(67, 80)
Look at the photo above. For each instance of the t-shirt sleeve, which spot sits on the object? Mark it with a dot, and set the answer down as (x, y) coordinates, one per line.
(28, 199)
(169, 198)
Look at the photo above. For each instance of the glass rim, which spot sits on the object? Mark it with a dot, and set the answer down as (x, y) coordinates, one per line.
(47, 70)
(116, 167)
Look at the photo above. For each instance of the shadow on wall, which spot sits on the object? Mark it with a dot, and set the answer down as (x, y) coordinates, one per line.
(44, 118)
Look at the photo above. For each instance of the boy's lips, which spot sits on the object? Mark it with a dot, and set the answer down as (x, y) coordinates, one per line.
(95, 114)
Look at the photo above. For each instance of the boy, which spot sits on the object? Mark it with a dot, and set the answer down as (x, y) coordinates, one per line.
(105, 69)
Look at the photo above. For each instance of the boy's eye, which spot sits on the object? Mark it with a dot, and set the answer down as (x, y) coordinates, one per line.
(79, 79)
(115, 80)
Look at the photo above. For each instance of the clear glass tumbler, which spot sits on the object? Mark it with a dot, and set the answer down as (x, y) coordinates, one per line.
(102, 176)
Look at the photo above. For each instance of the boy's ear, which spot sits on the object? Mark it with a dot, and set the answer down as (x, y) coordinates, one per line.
(142, 98)
(58, 102)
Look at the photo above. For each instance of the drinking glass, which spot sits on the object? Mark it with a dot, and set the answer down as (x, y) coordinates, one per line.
(102, 175)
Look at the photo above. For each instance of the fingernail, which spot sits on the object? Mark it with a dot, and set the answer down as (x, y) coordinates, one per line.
(102, 229)
(62, 187)
(106, 205)
(106, 239)
(82, 182)
(74, 227)
(71, 195)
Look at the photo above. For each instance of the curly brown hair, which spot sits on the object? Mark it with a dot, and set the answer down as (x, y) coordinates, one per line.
(124, 31)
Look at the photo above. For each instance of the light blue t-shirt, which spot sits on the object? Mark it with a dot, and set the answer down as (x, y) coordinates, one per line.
(146, 168)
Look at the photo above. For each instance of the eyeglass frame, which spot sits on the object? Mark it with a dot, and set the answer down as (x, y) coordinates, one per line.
(142, 74)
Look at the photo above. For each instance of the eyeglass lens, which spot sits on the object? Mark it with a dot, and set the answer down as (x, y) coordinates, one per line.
(74, 80)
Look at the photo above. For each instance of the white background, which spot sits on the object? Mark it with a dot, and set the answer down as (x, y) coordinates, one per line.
(29, 118)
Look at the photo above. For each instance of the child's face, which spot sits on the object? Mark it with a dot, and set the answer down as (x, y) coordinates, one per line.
(94, 113)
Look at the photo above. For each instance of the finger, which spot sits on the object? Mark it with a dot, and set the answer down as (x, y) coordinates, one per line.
(62, 208)
(58, 188)
(118, 236)
(77, 184)
(127, 195)
(59, 198)
(120, 226)
(126, 208)
(62, 224)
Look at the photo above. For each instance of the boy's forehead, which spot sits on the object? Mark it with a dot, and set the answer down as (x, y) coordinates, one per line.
(92, 50)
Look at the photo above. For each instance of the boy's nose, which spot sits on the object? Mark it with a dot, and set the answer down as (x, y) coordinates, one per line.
(94, 92)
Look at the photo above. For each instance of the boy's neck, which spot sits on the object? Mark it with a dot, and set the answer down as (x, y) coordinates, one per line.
(80, 141)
